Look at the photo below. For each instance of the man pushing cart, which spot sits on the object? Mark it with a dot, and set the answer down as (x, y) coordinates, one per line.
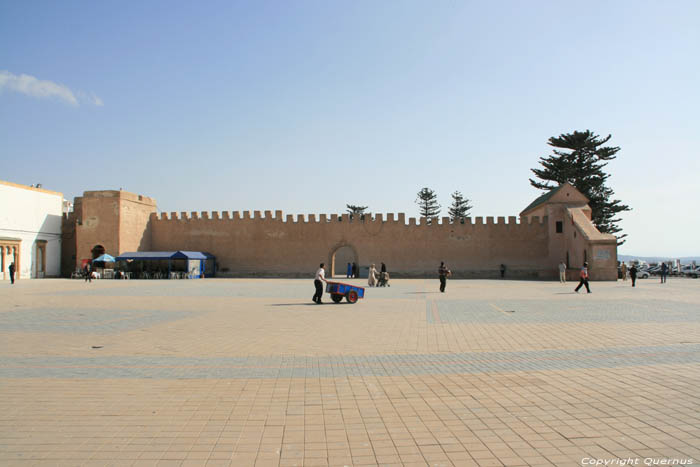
(338, 290)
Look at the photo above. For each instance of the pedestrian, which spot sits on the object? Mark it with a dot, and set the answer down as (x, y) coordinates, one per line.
(584, 279)
(383, 268)
(11, 268)
(623, 269)
(633, 274)
(372, 276)
(355, 270)
(503, 271)
(562, 272)
(664, 271)
(349, 271)
(87, 270)
(443, 272)
(318, 283)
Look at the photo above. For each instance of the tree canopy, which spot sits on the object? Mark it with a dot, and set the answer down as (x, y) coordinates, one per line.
(579, 158)
(427, 203)
(355, 210)
(460, 206)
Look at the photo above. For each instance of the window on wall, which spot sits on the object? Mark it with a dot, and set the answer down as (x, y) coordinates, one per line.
(567, 260)
(560, 226)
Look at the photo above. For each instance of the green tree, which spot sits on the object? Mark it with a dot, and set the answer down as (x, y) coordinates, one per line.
(460, 206)
(354, 210)
(427, 203)
(579, 158)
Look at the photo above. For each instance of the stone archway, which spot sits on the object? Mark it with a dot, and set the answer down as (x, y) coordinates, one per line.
(340, 255)
(97, 251)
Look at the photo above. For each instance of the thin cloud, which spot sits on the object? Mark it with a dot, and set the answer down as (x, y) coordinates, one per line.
(34, 87)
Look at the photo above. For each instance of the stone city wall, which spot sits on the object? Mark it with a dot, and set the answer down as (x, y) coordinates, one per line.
(251, 244)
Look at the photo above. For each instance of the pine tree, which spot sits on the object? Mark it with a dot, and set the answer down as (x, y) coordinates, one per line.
(579, 158)
(427, 202)
(460, 207)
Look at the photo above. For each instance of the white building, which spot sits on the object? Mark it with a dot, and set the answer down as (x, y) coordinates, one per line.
(30, 231)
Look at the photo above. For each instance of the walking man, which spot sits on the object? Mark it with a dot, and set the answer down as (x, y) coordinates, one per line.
(664, 271)
(12, 272)
(318, 283)
(584, 279)
(443, 272)
(503, 271)
(633, 274)
(562, 272)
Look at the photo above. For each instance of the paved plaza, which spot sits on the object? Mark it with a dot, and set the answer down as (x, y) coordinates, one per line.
(249, 372)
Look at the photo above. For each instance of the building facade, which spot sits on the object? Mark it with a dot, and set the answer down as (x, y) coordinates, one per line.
(556, 227)
(30, 231)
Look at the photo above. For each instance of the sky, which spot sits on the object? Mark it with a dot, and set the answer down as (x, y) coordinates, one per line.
(306, 106)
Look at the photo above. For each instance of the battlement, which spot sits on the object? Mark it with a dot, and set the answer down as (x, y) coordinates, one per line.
(368, 219)
(120, 194)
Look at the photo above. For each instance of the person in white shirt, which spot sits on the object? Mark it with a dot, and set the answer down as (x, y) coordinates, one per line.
(320, 276)
(562, 272)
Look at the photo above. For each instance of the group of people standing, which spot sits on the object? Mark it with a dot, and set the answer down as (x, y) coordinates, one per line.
(353, 271)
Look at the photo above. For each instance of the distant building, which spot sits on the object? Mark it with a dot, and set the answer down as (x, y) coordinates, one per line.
(30, 231)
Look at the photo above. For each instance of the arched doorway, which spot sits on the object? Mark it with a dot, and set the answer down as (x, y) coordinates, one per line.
(97, 250)
(340, 256)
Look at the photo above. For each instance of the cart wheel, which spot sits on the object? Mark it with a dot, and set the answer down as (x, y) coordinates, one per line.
(336, 297)
(351, 296)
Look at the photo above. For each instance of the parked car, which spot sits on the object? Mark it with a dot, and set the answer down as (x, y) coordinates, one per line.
(694, 273)
(644, 274)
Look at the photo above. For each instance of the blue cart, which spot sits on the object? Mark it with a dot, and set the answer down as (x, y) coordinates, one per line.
(338, 290)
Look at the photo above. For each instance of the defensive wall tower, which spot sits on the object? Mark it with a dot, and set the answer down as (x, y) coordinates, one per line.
(267, 244)
(108, 221)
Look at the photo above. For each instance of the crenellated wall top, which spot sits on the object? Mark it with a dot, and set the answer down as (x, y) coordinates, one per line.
(389, 218)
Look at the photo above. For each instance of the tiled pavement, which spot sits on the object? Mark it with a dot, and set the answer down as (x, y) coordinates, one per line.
(248, 372)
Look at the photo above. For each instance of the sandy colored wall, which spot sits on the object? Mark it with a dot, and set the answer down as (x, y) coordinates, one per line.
(117, 220)
(248, 244)
(135, 226)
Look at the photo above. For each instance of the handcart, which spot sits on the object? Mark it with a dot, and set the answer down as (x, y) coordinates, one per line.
(338, 290)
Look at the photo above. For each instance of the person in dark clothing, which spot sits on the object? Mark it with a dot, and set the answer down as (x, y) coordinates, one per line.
(318, 283)
(12, 272)
(87, 270)
(349, 271)
(633, 274)
(664, 272)
(383, 268)
(584, 279)
(443, 272)
(503, 271)
(355, 270)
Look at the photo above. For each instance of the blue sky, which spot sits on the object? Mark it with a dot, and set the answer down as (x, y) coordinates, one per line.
(305, 106)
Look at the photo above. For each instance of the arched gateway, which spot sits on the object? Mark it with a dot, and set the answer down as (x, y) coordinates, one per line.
(340, 255)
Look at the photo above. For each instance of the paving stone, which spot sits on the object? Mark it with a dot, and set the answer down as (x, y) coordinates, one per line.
(246, 372)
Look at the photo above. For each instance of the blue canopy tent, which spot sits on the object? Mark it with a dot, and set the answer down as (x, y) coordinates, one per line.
(194, 260)
(105, 257)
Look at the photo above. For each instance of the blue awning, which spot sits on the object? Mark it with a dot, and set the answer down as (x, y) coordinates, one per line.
(157, 255)
(189, 255)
